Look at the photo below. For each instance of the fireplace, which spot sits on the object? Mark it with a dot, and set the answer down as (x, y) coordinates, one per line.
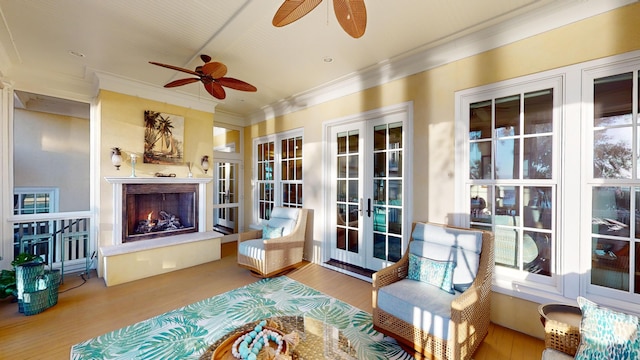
(157, 210)
(140, 202)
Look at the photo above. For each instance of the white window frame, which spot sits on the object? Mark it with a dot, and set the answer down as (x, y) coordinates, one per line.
(277, 171)
(573, 217)
(53, 193)
(615, 298)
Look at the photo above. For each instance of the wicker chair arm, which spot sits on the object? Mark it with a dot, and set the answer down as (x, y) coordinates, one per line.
(391, 274)
(249, 235)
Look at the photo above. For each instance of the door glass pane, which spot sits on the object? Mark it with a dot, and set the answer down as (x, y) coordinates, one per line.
(637, 270)
(354, 139)
(353, 241)
(379, 191)
(395, 135)
(395, 163)
(394, 253)
(380, 137)
(379, 246)
(395, 192)
(379, 164)
(342, 143)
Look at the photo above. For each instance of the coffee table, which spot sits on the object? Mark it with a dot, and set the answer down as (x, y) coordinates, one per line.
(318, 340)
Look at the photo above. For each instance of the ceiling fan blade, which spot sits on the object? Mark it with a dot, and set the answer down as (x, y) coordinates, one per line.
(215, 89)
(292, 10)
(205, 58)
(214, 69)
(181, 82)
(236, 84)
(352, 16)
(175, 68)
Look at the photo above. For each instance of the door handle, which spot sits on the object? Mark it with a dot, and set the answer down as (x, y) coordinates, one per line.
(369, 207)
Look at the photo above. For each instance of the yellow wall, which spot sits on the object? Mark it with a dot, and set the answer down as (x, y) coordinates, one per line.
(432, 93)
(122, 125)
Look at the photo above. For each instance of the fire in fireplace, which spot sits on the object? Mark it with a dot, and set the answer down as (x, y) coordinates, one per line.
(157, 210)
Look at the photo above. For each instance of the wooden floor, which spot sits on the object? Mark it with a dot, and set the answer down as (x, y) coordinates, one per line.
(88, 309)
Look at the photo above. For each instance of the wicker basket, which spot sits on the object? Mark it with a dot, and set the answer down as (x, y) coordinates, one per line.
(561, 327)
(35, 302)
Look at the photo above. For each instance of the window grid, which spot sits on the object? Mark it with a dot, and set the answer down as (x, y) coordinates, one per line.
(511, 181)
(615, 190)
(279, 173)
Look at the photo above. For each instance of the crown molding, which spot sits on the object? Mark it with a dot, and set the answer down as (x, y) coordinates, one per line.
(111, 82)
(443, 51)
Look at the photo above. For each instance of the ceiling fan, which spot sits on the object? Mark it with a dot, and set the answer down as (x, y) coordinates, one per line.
(212, 74)
(351, 14)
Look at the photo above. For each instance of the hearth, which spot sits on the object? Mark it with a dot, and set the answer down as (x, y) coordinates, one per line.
(158, 210)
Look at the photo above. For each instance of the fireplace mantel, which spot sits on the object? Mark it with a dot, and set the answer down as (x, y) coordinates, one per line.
(118, 182)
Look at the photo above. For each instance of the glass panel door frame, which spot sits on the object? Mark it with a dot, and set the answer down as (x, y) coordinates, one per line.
(229, 149)
(402, 111)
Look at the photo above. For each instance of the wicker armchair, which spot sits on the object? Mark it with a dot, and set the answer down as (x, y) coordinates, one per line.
(470, 310)
(271, 257)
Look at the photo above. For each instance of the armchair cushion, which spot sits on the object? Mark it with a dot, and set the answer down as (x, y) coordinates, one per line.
(460, 246)
(434, 272)
(420, 304)
(252, 248)
(285, 218)
(270, 232)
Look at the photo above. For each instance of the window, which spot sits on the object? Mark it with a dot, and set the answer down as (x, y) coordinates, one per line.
(552, 166)
(511, 181)
(278, 172)
(615, 183)
(35, 201)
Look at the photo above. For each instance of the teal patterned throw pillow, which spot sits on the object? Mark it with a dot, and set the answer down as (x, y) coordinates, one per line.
(269, 232)
(434, 272)
(607, 334)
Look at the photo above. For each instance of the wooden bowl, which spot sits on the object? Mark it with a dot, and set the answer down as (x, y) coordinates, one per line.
(223, 351)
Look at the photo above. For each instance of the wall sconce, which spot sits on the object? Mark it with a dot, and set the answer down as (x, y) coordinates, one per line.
(116, 157)
(205, 163)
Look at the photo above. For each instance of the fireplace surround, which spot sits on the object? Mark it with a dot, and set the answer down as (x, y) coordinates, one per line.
(123, 260)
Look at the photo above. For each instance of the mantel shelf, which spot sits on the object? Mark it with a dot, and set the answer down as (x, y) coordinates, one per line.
(157, 180)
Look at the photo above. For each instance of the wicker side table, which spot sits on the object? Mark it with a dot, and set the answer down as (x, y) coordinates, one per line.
(561, 327)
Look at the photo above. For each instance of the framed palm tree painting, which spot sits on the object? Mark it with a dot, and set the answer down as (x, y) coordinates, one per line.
(163, 138)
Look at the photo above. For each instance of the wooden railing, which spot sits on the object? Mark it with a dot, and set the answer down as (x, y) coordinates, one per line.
(63, 240)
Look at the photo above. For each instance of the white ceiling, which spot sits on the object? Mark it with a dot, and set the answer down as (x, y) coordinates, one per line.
(119, 37)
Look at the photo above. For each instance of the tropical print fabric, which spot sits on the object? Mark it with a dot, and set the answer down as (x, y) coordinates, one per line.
(187, 332)
(607, 334)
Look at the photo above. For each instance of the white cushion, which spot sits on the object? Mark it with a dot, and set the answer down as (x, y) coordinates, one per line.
(445, 244)
(285, 218)
(420, 304)
(252, 248)
(552, 354)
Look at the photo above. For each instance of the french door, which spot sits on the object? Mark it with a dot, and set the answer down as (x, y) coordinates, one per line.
(369, 226)
(226, 200)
